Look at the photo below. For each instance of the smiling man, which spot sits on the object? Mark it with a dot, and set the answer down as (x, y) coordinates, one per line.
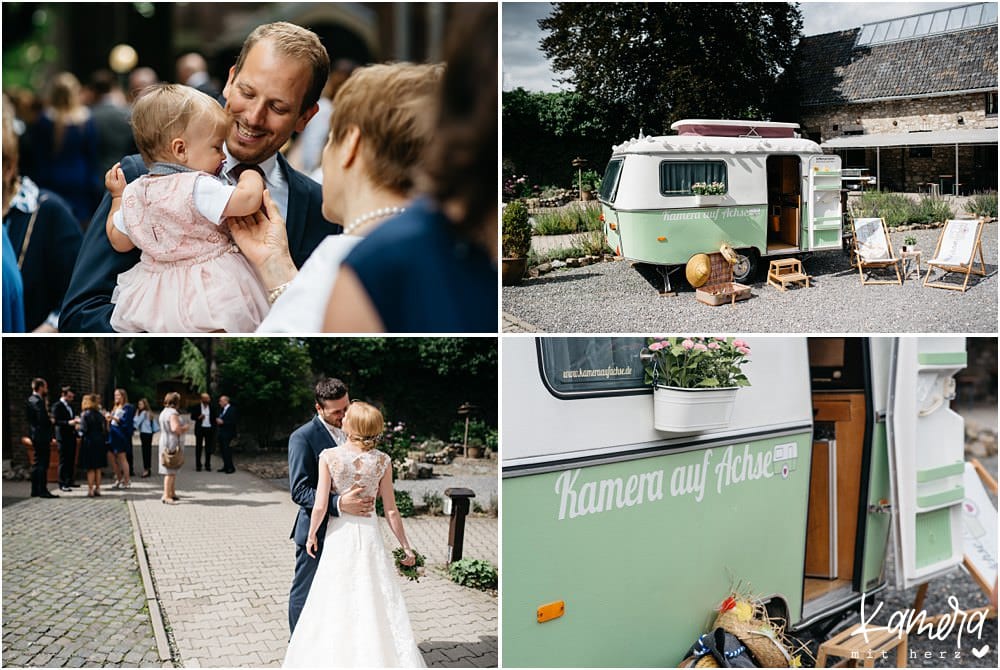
(271, 92)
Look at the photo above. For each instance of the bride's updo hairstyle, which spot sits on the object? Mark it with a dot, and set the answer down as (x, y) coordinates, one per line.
(364, 424)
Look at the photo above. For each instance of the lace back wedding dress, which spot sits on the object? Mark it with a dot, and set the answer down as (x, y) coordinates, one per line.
(355, 615)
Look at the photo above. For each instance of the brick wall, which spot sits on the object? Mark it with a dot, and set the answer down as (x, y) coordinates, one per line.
(84, 364)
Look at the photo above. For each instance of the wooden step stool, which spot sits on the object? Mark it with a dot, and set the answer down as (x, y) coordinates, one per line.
(786, 271)
(856, 651)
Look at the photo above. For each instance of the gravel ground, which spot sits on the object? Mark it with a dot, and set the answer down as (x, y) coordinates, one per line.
(615, 298)
(924, 652)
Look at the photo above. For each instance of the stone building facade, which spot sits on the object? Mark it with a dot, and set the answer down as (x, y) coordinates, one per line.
(935, 82)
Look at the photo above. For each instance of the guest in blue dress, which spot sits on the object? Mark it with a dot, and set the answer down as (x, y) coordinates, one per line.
(13, 291)
(121, 425)
(64, 146)
(434, 267)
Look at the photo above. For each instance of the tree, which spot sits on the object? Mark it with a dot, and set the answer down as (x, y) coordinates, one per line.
(269, 381)
(650, 64)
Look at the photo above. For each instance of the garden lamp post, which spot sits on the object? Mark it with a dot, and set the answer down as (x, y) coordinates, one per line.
(466, 409)
(578, 163)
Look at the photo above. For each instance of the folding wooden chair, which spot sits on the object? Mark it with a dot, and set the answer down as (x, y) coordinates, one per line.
(959, 242)
(873, 250)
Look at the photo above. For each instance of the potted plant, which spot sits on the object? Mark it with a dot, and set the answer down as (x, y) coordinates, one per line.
(708, 193)
(590, 183)
(516, 242)
(909, 243)
(695, 380)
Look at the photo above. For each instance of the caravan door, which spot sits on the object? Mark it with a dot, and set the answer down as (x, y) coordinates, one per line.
(823, 219)
(926, 457)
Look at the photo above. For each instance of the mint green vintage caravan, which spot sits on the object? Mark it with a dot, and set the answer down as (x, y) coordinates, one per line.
(619, 540)
(780, 195)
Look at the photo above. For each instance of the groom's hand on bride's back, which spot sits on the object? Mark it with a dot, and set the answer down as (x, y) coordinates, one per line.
(356, 503)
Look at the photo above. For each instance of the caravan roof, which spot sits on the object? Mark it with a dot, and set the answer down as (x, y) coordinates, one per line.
(698, 144)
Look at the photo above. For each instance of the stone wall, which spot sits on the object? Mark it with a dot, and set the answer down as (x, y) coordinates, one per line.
(899, 116)
(909, 169)
(83, 364)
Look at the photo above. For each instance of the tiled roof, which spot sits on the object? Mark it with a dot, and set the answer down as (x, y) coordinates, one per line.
(831, 70)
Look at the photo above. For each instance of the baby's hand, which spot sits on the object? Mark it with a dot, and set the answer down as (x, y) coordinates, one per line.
(114, 180)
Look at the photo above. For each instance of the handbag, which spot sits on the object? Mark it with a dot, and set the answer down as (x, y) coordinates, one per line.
(172, 456)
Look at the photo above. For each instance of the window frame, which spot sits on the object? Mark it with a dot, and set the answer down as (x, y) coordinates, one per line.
(671, 194)
(635, 387)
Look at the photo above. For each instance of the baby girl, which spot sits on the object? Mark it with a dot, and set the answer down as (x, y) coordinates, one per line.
(190, 277)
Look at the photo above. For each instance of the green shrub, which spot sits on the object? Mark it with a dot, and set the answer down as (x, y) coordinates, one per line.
(983, 203)
(897, 209)
(434, 502)
(516, 230)
(558, 222)
(474, 573)
(404, 502)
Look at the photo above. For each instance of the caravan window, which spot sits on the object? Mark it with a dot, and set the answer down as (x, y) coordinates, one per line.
(574, 367)
(609, 184)
(677, 177)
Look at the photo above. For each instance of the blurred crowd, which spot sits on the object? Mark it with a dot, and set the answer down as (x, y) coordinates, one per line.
(62, 143)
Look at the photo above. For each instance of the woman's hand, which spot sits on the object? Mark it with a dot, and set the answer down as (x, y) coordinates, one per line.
(264, 241)
(312, 545)
(410, 559)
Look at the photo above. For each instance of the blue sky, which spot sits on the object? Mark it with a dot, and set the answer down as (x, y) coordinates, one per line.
(525, 66)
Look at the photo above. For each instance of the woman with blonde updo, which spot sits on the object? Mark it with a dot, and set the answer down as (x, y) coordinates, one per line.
(355, 615)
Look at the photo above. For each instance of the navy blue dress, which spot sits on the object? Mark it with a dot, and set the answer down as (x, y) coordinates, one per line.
(422, 278)
(120, 433)
(93, 448)
(71, 168)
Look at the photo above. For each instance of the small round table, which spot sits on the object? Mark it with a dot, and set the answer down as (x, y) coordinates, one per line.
(908, 257)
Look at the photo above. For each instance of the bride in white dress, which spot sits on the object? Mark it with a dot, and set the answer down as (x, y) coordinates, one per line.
(355, 615)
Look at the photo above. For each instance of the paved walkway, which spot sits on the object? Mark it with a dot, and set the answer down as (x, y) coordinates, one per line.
(221, 562)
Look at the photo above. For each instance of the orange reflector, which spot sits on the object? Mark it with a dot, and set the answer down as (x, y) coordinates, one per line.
(551, 611)
(661, 239)
(613, 226)
(601, 218)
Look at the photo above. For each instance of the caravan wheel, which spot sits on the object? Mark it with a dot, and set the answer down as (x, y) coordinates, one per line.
(747, 262)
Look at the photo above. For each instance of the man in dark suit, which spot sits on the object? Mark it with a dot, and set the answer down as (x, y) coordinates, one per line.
(226, 422)
(66, 425)
(40, 432)
(304, 447)
(203, 416)
(271, 92)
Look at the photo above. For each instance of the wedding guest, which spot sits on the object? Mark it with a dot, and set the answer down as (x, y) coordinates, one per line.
(121, 424)
(139, 80)
(66, 425)
(377, 137)
(226, 421)
(111, 116)
(40, 433)
(93, 447)
(203, 415)
(192, 70)
(271, 92)
(64, 142)
(172, 430)
(44, 236)
(147, 425)
(434, 267)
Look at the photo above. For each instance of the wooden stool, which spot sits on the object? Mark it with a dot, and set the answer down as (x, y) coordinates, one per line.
(786, 271)
(856, 650)
(908, 257)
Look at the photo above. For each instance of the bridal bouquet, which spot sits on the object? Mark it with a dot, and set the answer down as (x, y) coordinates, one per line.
(411, 572)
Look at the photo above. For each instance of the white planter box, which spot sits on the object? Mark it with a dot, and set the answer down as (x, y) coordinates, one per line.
(703, 200)
(678, 410)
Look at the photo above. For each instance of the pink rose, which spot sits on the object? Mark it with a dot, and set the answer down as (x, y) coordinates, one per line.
(656, 346)
(713, 345)
(687, 344)
(739, 343)
(743, 350)
(700, 347)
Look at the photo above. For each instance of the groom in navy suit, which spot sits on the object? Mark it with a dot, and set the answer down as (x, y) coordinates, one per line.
(271, 92)
(304, 447)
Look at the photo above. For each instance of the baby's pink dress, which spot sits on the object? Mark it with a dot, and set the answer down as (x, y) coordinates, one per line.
(191, 277)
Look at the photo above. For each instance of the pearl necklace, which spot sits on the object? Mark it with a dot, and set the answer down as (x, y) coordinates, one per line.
(379, 213)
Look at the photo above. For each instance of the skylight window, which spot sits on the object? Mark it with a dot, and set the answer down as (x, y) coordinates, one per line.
(931, 23)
